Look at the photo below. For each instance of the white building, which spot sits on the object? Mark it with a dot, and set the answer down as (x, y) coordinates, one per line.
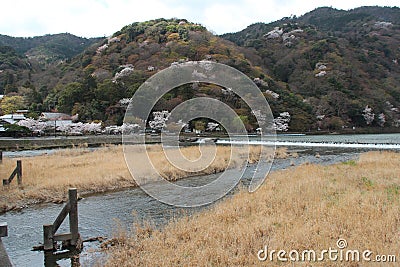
(55, 118)
(10, 119)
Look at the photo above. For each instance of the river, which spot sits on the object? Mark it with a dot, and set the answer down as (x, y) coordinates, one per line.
(99, 214)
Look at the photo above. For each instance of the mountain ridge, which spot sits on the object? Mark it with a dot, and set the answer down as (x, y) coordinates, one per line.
(326, 68)
(65, 44)
(341, 62)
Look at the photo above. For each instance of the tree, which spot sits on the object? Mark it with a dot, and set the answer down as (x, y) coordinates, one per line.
(71, 94)
(80, 128)
(239, 122)
(212, 126)
(10, 84)
(334, 123)
(17, 130)
(338, 101)
(381, 119)
(10, 104)
(281, 123)
(369, 116)
(33, 125)
(159, 120)
(200, 125)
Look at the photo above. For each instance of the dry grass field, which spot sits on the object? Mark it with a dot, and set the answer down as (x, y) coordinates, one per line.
(308, 207)
(46, 178)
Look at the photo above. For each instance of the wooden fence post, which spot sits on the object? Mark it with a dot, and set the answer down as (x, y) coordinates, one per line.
(48, 237)
(3, 229)
(73, 215)
(16, 172)
(4, 259)
(1, 156)
(19, 172)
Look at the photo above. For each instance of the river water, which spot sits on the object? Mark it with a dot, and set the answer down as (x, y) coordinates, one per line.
(99, 215)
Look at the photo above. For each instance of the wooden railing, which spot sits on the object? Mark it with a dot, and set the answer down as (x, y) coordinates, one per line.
(17, 172)
(71, 239)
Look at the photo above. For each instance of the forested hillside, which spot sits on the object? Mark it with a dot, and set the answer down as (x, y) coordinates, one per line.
(343, 63)
(329, 69)
(94, 83)
(34, 60)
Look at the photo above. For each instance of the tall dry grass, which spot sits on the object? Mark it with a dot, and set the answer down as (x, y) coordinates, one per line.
(47, 177)
(308, 207)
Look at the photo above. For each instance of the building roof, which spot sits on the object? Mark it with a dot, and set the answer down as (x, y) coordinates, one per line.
(12, 118)
(54, 116)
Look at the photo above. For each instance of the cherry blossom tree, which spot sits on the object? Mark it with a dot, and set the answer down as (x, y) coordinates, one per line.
(112, 129)
(35, 126)
(392, 114)
(126, 128)
(126, 71)
(259, 115)
(159, 120)
(71, 128)
(281, 123)
(368, 115)
(272, 93)
(124, 102)
(80, 128)
(129, 128)
(92, 127)
(212, 126)
(381, 119)
(102, 48)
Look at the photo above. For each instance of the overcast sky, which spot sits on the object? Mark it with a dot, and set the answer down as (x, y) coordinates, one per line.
(96, 18)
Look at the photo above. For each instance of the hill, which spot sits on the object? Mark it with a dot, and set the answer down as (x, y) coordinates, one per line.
(94, 82)
(330, 69)
(25, 60)
(48, 48)
(343, 63)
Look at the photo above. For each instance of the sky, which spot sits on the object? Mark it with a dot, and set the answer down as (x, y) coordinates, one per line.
(98, 18)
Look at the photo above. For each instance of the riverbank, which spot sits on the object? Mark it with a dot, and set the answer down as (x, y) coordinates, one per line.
(37, 143)
(46, 178)
(26, 143)
(309, 207)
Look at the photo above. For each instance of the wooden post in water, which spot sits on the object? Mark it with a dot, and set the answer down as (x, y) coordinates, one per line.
(4, 259)
(50, 237)
(3, 229)
(48, 242)
(73, 215)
